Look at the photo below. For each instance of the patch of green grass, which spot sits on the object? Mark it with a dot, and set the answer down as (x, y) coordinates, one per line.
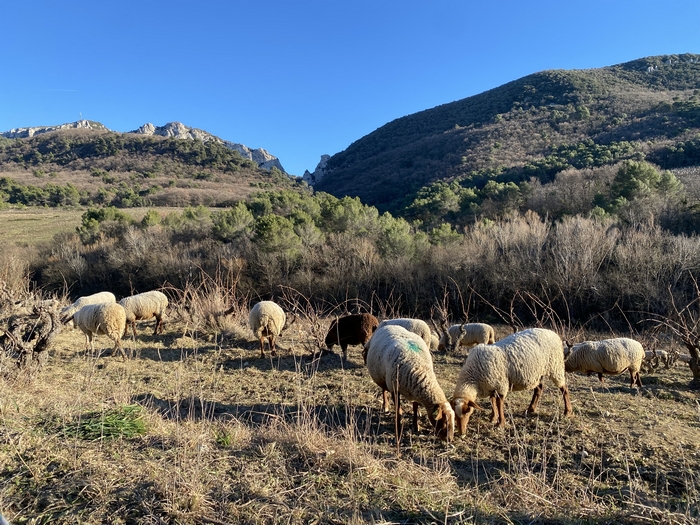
(121, 422)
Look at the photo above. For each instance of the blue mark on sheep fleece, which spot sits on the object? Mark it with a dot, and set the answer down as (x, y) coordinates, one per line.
(412, 345)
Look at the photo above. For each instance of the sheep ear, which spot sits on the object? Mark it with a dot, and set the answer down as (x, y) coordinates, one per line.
(474, 405)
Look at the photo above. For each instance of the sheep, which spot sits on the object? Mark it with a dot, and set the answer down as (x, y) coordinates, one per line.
(101, 318)
(609, 356)
(434, 342)
(101, 297)
(417, 326)
(467, 334)
(355, 329)
(518, 362)
(653, 358)
(267, 320)
(144, 306)
(400, 362)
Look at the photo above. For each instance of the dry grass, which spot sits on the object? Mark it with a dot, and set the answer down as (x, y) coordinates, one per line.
(31, 225)
(234, 438)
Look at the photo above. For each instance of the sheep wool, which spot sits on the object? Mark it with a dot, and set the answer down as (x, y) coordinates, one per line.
(518, 362)
(103, 318)
(417, 326)
(400, 362)
(145, 306)
(467, 334)
(434, 342)
(608, 356)
(267, 320)
(355, 329)
(100, 297)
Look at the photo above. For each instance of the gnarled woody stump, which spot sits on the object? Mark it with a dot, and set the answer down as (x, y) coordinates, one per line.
(28, 338)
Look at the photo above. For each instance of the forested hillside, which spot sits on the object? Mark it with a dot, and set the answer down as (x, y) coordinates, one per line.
(530, 129)
(89, 167)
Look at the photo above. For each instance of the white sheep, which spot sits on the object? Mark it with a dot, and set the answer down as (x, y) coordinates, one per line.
(609, 356)
(100, 297)
(652, 358)
(519, 362)
(144, 306)
(468, 335)
(267, 320)
(417, 326)
(434, 342)
(102, 318)
(399, 361)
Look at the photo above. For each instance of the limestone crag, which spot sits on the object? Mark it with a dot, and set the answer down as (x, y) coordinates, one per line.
(21, 133)
(319, 172)
(172, 129)
(176, 129)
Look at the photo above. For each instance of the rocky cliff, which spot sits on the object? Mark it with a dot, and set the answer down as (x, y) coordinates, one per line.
(20, 133)
(319, 172)
(176, 129)
(172, 129)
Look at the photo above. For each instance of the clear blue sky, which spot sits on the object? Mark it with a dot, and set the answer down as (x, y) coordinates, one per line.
(303, 78)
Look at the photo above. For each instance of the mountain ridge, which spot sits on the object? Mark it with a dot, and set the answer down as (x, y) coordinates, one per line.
(651, 101)
(263, 158)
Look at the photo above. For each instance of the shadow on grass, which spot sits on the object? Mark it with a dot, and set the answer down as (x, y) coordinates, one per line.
(366, 421)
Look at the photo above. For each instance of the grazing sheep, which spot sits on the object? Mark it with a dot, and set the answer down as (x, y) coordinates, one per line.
(519, 362)
(144, 306)
(653, 358)
(355, 329)
(417, 326)
(267, 320)
(609, 356)
(434, 342)
(467, 334)
(102, 318)
(400, 363)
(101, 297)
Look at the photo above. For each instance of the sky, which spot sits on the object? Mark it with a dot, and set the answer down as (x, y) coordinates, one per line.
(303, 78)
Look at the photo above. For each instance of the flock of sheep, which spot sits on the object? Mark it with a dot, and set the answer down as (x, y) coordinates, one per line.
(100, 313)
(397, 353)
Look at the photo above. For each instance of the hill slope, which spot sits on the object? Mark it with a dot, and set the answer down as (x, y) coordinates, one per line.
(652, 102)
(93, 165)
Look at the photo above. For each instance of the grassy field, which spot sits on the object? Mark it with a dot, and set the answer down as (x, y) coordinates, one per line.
(30, 226)
(229, 437)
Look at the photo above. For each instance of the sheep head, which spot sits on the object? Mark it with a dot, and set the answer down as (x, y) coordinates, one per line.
(443, 420)
(463, 410)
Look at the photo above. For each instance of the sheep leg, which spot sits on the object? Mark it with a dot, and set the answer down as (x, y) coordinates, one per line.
(271, 339)
(494, 410)
(636, 380)
(345, 350)
(415, 417)
(133, 328)
(567, 402)
(159, 325)
(501, 415)
(600, 376)
(532, 409)
(385, 402)
(262, 346)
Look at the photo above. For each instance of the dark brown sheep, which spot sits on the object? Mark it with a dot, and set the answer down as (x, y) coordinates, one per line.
(355, 329)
